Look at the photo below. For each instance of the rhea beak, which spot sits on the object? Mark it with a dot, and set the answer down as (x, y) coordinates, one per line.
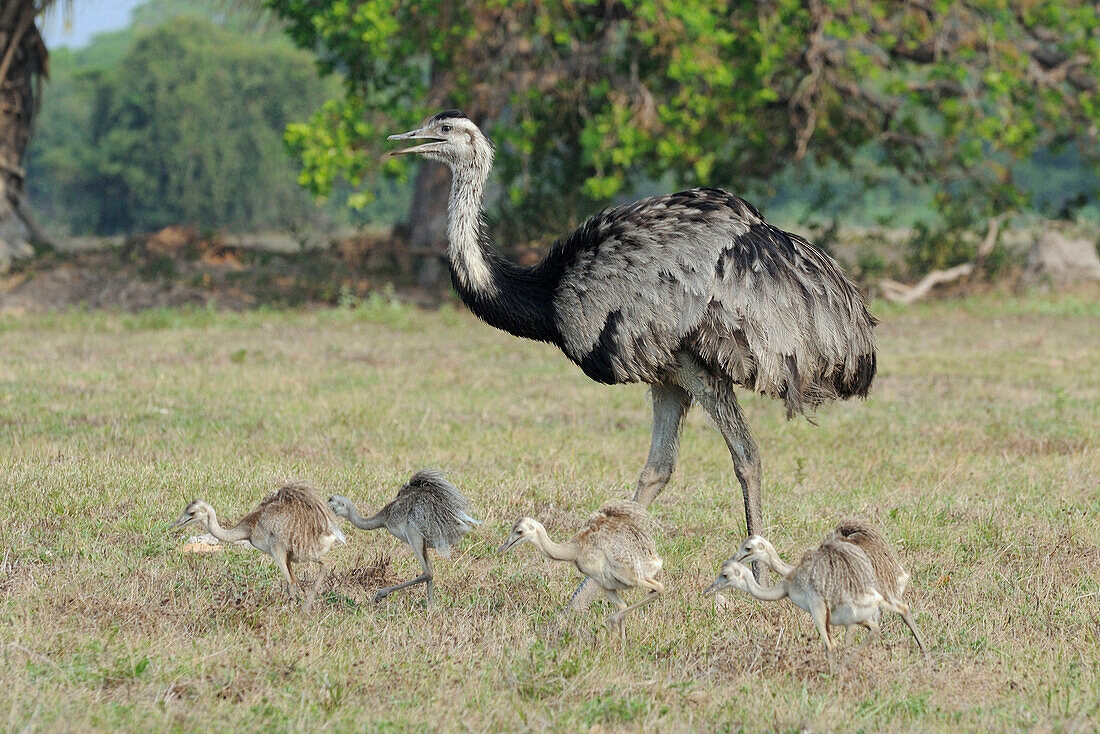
(183, 520)
(434, 145)
(509, 544)
(718, 585)
(740, 557)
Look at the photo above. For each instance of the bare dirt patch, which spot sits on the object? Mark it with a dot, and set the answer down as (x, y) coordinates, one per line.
(178, 266)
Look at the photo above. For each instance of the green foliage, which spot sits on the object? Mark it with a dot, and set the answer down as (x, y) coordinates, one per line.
(238, 16)
(181, 123)
(587, 100)
(934, 249)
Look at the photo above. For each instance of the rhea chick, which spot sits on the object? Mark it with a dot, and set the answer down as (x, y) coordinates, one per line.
(890, 577)
(292, 525)
(428, 512)
(615, 549)
(833, 582)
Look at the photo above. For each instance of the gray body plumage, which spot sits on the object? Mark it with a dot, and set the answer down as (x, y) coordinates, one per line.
(693, 293)
(428, 512)
(837, 572)
(891, 578)
(702, 272)
(617, 545)
(296, 516)
(433, 508)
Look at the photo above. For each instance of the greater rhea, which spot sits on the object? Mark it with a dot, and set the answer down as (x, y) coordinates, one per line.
(292, 525)
(428, 512)
(693, 293)
(890, 577)
(833, 582)
(614, 549)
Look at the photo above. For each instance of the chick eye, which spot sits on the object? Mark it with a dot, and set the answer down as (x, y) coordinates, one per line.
(446, 128)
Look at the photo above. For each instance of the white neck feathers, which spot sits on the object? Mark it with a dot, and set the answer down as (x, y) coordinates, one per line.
(468, 255)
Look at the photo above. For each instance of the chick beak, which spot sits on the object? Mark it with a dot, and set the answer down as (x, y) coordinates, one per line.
(714, 588)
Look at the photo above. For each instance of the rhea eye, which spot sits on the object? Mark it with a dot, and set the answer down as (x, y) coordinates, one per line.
(446, 128)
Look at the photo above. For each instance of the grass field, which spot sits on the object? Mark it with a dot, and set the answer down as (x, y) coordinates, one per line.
(978, 453)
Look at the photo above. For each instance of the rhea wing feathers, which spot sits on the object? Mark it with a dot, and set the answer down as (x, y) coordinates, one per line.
(701, 270)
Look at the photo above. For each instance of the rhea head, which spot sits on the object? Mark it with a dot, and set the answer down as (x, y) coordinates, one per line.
(196, 511)
(340, 505)
(732, 574)
(451, 138)
(523, 530)
(752, 550)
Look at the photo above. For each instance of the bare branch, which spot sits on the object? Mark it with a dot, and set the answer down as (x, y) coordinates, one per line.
(991, 234)
(901, 293)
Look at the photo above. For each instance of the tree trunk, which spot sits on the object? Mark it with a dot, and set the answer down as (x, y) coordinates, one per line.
(427, 225)
(22, 63)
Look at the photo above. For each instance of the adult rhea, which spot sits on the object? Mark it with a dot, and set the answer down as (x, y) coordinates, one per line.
(692, 293)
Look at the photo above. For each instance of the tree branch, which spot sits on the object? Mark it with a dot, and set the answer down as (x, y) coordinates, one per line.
(990, 238)
(901, 293)
(16, 39)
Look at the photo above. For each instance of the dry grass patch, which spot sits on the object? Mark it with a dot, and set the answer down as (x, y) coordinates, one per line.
(977, 454)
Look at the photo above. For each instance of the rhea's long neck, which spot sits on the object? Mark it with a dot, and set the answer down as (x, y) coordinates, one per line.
(550, 549)
(505, 295)
(767, 593)
(783, 569)
(232, 535)
(365, 523)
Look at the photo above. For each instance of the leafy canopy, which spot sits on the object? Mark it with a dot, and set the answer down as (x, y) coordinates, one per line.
(586, 99)
(179, 123)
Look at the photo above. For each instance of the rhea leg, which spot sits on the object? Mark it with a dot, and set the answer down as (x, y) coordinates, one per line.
(717, 398)
(420, 547)
(615, 599)
(322, 571)
(872, 634)
(820, 615)
(907, 617)
(656, 589)
(279, 553)
(670, 405)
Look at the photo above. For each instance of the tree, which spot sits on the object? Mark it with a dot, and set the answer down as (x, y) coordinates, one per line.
(23, 59)
(589, 99)
(180, 124)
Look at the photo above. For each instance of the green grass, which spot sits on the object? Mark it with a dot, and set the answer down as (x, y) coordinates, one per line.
(977, 453)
